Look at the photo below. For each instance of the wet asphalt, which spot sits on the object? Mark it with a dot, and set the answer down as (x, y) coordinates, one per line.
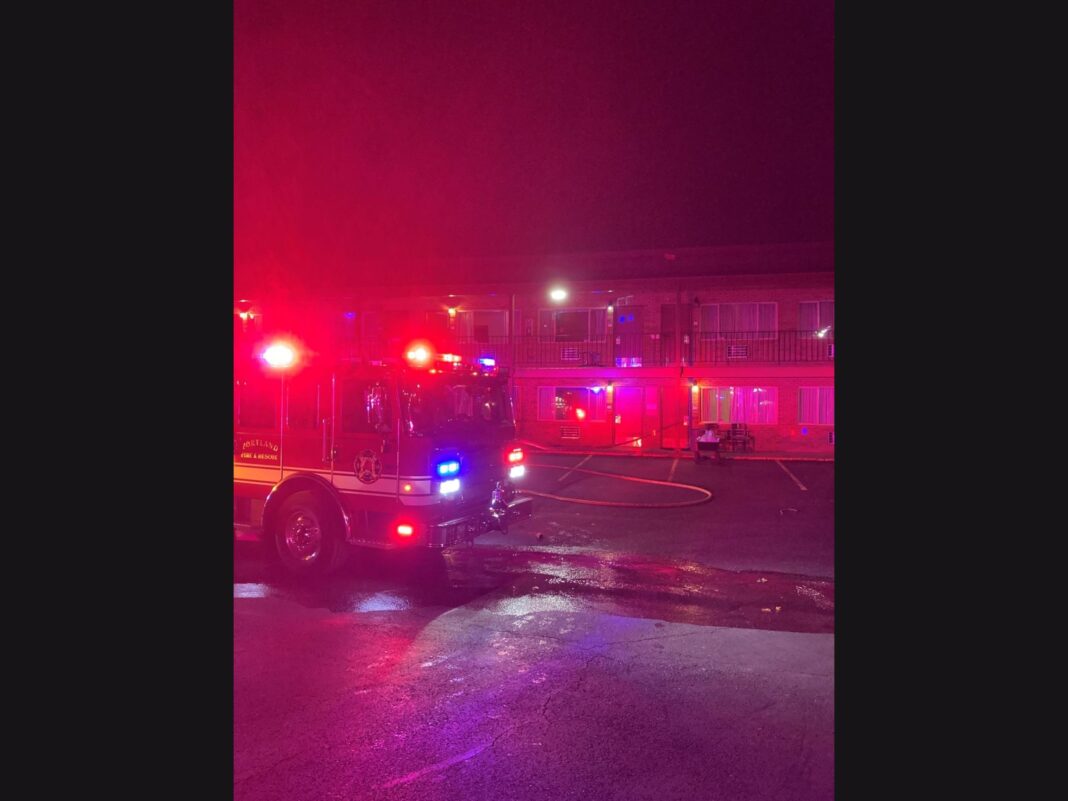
(591, 652)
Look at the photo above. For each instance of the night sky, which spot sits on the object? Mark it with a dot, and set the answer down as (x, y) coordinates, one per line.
(370, 132)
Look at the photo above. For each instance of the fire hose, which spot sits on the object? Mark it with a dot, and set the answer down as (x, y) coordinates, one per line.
(706, 495)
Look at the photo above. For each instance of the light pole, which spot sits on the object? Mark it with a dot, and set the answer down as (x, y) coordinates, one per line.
(280, 357)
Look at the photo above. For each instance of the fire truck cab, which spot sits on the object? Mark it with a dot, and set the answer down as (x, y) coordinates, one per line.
(330, 455)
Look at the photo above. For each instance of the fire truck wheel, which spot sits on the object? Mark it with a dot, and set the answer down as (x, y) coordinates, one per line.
(306, 537)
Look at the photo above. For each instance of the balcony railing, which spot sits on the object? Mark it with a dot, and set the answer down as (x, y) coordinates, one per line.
(631, 350)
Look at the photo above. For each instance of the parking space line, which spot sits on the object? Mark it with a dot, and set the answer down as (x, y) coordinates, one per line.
(572, 470)
(671, 475)
(791, 475)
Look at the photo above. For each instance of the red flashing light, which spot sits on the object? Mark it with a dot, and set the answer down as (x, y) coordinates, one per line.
(279, 355)
(515, 456)
(405, 530)
(580, 414)
(420, 355)
(450, 357)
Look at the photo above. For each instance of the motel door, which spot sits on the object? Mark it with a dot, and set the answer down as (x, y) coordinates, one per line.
(628, 415)
(669, 352)
(627, 327)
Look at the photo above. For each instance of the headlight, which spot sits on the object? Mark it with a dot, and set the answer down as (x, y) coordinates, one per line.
(517, 471)
(452, 485)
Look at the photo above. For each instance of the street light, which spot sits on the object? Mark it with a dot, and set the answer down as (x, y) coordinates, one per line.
(558, 294)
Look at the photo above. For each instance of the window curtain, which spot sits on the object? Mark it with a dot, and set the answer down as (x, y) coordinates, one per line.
(597, 329)
(809, 405)
(465, 324)
(546, 399)
(598, 405)
(740, 318)
(768, 318)
(816, 406)
(716, 404)
(815, 315)
(757, 405)
(827, 313)
(750, 405)
(827, 406)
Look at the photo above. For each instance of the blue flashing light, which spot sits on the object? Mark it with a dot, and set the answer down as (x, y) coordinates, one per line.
(449, 468)
(350, 315)
(487, 362)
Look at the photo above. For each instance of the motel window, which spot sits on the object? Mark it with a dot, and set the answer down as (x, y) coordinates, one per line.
(437, 324)
(598, 409)
(816, 315)
(573, 403)
(816, 406)
(751, 405)
(482, 326)
(571, 325)
(257, 402)
(754, 320)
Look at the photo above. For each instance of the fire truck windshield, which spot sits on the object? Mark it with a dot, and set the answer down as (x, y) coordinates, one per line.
(452, 404)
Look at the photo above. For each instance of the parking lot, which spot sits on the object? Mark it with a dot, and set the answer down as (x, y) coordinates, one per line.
(594, 651)
(764, 514)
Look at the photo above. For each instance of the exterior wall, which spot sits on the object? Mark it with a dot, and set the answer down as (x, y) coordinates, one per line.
(788, 434)
(669, 424)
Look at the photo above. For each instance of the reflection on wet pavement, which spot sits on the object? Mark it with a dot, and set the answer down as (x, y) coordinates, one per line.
(520, 581)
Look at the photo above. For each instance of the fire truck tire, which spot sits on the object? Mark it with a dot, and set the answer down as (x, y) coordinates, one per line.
(307, 538)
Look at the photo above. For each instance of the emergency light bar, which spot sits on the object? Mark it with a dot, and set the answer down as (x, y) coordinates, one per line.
(421, 354)
(418, 356)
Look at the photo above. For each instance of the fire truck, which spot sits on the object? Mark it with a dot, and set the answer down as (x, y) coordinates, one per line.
(335, 454)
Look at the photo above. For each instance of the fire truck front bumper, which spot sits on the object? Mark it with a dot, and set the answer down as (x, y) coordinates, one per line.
(464, 529)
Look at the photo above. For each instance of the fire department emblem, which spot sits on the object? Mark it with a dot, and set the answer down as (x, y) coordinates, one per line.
(368, 467)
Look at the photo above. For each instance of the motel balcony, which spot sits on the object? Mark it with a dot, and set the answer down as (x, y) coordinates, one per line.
(630, 349)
